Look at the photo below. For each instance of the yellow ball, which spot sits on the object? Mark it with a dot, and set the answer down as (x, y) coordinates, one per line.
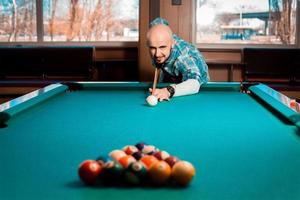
(183, 172)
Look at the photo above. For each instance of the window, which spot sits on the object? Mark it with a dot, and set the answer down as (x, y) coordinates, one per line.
(69, 20)
(17, 21)
(246, 21)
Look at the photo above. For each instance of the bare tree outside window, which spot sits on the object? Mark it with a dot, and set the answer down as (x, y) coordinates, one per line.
(17, 20)
(246, 21)
(69, 20)
(91, 20)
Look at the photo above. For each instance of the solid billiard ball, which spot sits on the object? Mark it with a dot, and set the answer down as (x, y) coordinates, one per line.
(138, 155)
(112, 172)
(125, 161)
(102, 160)
(159, 172)
(130, 149)
(132, 178)
(117, 154)
(183, 172)
(152, 100)
(171, 160)
(148, 160)
(140, 145)
(89, 171)
(161, 155)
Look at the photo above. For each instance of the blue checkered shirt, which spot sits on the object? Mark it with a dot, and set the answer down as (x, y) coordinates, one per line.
(185, 61)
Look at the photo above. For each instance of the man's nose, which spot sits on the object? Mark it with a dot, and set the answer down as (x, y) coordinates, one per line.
(158, 53)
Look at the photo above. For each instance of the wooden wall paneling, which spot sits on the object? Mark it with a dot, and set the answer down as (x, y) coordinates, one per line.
(145, 67)
(170, 13)
(184, 21)
(121, 53)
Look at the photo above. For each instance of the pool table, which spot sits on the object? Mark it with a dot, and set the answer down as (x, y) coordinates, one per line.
(244, 140)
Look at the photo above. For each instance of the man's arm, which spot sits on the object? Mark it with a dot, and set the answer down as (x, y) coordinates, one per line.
(188, 87)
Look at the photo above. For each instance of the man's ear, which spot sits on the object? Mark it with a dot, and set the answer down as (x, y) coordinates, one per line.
(173, 43)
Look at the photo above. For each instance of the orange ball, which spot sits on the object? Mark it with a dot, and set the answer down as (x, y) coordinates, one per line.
(183, 172)
(125, 161)
(160, 172)
(148, 160)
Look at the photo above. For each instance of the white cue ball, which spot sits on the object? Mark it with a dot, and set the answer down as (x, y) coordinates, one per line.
(152, 100)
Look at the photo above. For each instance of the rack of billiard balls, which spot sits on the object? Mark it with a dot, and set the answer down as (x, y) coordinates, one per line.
(139, 164)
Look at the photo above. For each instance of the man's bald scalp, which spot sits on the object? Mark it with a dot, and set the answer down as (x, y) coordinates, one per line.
(160, 29)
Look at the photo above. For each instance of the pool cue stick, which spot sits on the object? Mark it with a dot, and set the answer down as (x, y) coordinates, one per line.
(155, 79)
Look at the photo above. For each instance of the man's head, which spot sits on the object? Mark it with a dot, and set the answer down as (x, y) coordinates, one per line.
(160, 42)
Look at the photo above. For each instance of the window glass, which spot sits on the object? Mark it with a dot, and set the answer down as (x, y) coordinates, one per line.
(246, 21)
(90, 20)
(17, 20)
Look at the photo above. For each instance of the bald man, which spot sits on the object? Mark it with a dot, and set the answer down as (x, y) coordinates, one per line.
(180, 62)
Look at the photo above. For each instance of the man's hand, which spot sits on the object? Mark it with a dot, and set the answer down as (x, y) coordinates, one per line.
(161, 94)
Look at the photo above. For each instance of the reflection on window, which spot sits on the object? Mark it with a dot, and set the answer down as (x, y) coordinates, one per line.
(246, 21)
(93, 20)
(69, 20)
(17, 20)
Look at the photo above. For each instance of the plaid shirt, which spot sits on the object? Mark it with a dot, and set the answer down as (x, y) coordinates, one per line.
(185, 61)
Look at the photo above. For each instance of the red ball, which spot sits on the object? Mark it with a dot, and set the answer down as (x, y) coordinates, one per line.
(89, 170)
(161, 155)
(171, 160)
(293, 104)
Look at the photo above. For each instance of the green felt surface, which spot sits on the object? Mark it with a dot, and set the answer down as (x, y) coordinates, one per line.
(240, 148)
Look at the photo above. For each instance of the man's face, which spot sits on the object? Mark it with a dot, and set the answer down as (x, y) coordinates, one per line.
(160, 47)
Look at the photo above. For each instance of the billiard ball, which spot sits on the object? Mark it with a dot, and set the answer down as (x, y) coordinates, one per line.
(135, 173)
(138, 155)
(159, 172)
(125, 161)
(89, 171)
(112, 172)
(102, 160)
(140, 145)
(171, 160)
(161, 155)
(130, 149)
(152, 100)
(148, 160)
(183, 172)
(149, 149)
(117, 154)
